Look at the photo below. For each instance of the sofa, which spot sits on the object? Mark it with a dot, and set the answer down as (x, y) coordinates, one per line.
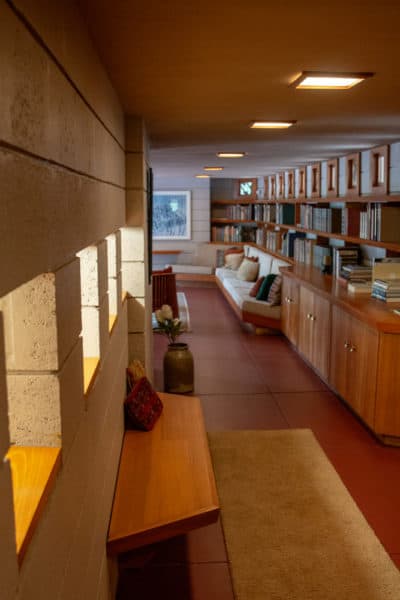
(260, 313)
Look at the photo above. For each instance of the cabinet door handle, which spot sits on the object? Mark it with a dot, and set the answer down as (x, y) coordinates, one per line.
(309, 315)
(347, 345)
(352, 349)
(313, 318)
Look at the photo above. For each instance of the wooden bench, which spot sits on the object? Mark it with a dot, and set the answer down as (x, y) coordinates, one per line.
(165, 485)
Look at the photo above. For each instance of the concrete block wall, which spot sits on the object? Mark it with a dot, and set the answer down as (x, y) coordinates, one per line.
(134, 246)
(62, 185)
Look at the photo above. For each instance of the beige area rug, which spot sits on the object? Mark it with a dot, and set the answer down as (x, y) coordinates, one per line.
(292, 530)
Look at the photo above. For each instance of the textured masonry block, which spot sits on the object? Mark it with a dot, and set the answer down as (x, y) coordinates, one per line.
(71, 396)
(89, 276)
(136, 315)
(43, 316)
(120, 290)
(102, 269)
(113, 299)
(135, 171)
(8, 553)
(112, 255)
(4, 435)
(91, 331)
(135, 208)
(135, 135)
(104, 326)
(118, 249)
(43, 571)
(76, 138)
(133, 278)
(133, 243)
(136, 347)
(34, 409)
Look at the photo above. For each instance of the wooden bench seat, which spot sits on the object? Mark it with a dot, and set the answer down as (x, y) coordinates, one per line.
(165, 485)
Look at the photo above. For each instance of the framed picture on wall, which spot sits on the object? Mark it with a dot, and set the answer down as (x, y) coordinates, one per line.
(171, 215)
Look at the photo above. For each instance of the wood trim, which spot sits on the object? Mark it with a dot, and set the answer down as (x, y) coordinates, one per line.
(165, 485)
(195, 277)
(352, 174)
(316, 180)
(33, 472)
(301, 183)
(379, 172)
(253, 181)
(332, 178)
(290, 184)
(166, 251)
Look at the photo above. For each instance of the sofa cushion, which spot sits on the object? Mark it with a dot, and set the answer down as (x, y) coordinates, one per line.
(223, 273)
(260, 308)
(248, 270)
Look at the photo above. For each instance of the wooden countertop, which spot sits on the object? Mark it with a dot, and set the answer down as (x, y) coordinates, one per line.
(165, 484)
(376, 313)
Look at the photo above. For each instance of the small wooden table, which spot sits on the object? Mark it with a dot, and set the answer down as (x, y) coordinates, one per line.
(165, 484)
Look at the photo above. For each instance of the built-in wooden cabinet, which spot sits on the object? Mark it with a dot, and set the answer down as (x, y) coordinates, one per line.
(314, 329)
(353, 364)
(290, 309)
(352, 342)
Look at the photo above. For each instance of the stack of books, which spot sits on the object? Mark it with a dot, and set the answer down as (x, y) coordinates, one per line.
(387, 290)
(343, 256)
(353, 272)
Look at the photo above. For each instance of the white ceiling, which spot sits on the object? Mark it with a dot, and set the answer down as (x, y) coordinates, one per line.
(199, 72)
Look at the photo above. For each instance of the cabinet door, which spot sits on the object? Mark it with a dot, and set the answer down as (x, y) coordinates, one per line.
(340, 343)
(290, 308)
(387, 413)
(362, 372)
(314, 329)
(353, 368)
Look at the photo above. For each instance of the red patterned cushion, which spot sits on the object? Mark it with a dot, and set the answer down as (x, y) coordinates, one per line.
(142, 406)
(256, 287)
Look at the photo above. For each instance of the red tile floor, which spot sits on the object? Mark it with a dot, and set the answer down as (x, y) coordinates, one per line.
(247, 381)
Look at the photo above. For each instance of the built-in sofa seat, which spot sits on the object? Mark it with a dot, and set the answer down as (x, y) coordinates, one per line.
(249, 310)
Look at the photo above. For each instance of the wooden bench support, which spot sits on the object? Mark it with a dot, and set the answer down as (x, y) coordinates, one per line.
(165, 485)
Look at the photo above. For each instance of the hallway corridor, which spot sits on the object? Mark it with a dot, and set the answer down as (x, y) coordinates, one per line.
(247, 381)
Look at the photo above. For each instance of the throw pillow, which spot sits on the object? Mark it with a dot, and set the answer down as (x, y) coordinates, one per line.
(248, 270)
(265, 287)
(142, 406)
(233, 261)
(256, 287)
(274, 295)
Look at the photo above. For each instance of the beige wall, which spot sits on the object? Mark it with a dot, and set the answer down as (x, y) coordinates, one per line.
(62, 189)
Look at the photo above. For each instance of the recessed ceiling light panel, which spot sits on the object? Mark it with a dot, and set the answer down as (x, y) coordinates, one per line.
(213, 168)
(309, 80)
(202, 176)
(231, 154)
(271, 124)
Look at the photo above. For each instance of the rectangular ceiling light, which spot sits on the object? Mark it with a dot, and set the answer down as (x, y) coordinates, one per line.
(203, 176)
(231, 154)
(213, 168)
(271, 124)
(309, 80)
